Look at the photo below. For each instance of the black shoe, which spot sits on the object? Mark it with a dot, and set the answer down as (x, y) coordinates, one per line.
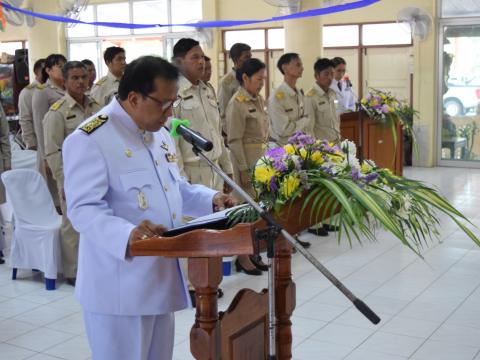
(319, 231)
(239, 267)
(305, 244)
(259, 264)
(71, 281)
(219, 293)
(328, 227)
(192, 297)
(2, 261)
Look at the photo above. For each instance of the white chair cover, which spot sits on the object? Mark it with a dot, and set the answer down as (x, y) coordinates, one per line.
(36, 234)
(24, 159)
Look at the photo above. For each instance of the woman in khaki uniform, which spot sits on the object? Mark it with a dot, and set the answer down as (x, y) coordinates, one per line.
(247, 128)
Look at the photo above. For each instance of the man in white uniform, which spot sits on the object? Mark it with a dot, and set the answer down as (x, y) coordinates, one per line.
(342, 87)
(122, 184)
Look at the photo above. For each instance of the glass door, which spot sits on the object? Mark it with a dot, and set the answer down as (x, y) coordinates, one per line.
(459, 95)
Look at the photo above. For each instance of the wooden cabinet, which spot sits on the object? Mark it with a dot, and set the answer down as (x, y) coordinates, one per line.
(374, 141)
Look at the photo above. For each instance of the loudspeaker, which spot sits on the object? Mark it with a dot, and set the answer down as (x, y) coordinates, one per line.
(20, 67)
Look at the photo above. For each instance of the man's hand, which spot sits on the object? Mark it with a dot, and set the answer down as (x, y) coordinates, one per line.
(33, 147)
(222, 201)
(48, 171)
(227, 189)
(144, 230)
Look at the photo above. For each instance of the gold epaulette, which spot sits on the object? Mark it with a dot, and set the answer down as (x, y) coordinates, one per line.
(310, 92)
(41, 86)
(241, 98)
(101, 81)
(56, 105)
(280, 95)
(94, 124)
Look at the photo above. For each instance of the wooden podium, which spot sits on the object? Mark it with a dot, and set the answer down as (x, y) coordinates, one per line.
(241, 332)
(377, 141)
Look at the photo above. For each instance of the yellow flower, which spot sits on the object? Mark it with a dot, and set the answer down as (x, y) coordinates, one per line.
(383, 96)
(289, 185)
(263, 174)
(366, 167)
(290, 149)
(303, 153)
(317, 158)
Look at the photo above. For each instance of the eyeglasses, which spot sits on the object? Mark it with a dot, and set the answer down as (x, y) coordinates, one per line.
(166, 104)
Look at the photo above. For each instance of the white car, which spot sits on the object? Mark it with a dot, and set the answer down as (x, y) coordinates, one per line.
(462, 98)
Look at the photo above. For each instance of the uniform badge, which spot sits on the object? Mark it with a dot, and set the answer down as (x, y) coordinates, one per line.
(128, 152)
(171, 157)
(164, 146)
(142, 200)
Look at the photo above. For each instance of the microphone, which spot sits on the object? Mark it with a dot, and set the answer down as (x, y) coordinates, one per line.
(180, 127)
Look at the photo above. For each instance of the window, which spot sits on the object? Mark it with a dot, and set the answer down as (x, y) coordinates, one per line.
(80, 30)
(276, 38)
(386, 34)
(150, 12)
(116, 12)
(254, 38)
(342, 35)
(464, 8)
(10, 47)
(185, 12)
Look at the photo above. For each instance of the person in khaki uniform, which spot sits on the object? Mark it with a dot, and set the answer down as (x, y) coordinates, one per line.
(44, 96)
(92, 74)
(25, 107)
(198, 105)
(247, 122)
(324, 121)
(239, 53)
(286, 103)
(320, 103)
(60, 121)
(107, 87)
(5, 162)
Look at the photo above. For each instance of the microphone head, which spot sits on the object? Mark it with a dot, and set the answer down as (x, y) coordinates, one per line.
(176, 123)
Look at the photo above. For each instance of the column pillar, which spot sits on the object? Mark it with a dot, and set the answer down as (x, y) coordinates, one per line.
(46, 37)
(304, 36)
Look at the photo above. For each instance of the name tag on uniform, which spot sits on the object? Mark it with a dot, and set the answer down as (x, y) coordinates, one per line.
(322, 103)
(171, 157)
(252, 110)
(71, 116)
(288, 110)
(188, 97)
(142, 200)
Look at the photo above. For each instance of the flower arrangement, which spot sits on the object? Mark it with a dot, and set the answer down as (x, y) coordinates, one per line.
(355, 196)
(384, 108)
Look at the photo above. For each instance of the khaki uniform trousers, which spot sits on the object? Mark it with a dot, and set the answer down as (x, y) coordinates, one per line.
(68, 244)
(253, 152)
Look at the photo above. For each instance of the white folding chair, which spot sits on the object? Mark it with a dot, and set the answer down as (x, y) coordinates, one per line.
(36, 233)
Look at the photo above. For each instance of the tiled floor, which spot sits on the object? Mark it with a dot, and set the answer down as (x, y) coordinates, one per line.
(430, 309)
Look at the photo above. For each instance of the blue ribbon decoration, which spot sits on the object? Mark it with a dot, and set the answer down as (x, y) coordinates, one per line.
(202, 24)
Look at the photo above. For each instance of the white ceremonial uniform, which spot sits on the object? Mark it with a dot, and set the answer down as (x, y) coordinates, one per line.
(345, 96)
(287, 113)
(115, 177)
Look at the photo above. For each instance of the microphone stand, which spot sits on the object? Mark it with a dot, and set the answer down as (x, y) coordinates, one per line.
(270, 234)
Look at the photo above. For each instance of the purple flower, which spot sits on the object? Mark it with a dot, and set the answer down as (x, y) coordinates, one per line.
(273, 184)
(355, 174)
(371, 177)
(279, 165)
(276, 153)
(385, 109)
(301, 139)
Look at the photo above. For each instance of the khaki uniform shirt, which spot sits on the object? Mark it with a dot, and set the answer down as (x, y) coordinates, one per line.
(320, 107)
(44, 96)
(227, 87)
(5, 151)
(287, 113)
(26, 115)
(60, 121)
(199, 105)
(105, 89)
(247, 124)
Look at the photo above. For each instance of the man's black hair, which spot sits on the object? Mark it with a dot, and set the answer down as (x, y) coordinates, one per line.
(237, 49)
(69, 65)
(249, 67)
(140, 75)
(183, 46)
(286, 59)
(338, 61)
(39, 64)
(111, 52)
(322, 64)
